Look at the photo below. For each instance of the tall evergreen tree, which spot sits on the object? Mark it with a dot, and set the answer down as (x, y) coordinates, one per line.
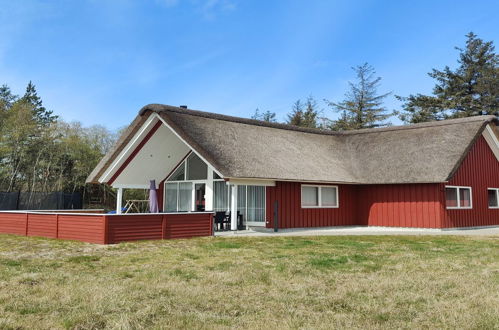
(265, 116)
(304, 114)
(295, 117)
(6, 97)
(311, 113)
(469, 90)
(41, 114)
(362, 106)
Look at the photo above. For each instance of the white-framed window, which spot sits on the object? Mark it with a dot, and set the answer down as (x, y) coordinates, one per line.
(191, 169)
(457, 197)
(493, 198)
(313, 196)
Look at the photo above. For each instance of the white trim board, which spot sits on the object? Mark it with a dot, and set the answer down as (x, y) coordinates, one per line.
(492, 140)
(125, 153)
(251, 182)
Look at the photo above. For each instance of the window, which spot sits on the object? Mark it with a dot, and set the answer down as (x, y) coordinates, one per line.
(221, 198)
(179, 174)
(493, 198)
(458, 197)
(196, 168)
(319, 196)
(193, 168)
(178, 197)
(309, 196)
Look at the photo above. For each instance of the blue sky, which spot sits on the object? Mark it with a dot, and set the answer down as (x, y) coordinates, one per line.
(100, 61)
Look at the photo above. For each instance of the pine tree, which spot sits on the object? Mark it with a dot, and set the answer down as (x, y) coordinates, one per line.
(295, 117)
(341, 124)
(6, 97)
(264, 116)
(41, 114)
(362, 106)
(471, 89)
(311, 114)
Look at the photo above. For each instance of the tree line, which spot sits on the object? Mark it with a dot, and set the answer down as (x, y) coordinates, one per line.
(469, 90)
(41, 152)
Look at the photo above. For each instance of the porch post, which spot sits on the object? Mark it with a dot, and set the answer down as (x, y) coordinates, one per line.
(119, 200)
(233, 208)
(208, 197)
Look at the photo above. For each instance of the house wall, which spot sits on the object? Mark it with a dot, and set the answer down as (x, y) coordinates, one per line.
(414, 205)
(292, 215)
(401, 205)
(397, 205)
(480, 170)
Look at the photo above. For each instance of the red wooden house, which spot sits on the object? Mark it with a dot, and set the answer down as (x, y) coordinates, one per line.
(433, 175)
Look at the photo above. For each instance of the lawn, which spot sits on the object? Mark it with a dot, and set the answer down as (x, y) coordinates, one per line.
(275, 282)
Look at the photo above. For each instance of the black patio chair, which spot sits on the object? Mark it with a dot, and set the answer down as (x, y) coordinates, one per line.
(226, 221)
(219, 220)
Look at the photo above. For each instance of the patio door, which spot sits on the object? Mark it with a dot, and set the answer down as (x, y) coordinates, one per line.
(251, 204)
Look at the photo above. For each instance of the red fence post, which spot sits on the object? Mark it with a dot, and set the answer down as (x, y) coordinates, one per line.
(163, 226)
(105, 229)
(26, 230)
(212, 225)
(57, 226)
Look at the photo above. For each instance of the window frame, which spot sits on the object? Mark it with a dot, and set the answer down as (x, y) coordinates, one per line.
(319, 191)
(459, 207)
(497, 198)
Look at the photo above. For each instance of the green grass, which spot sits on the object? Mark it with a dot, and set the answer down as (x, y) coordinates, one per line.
(274, 282)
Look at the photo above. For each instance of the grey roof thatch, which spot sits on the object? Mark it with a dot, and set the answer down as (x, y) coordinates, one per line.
(246, 148)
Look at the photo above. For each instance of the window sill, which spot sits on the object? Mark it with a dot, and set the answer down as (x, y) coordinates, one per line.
(319, 207)
(459, 208)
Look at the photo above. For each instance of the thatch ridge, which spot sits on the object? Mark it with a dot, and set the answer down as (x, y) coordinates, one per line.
(248, 148)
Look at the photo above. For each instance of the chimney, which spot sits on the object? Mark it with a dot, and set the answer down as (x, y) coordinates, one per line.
(183, 106)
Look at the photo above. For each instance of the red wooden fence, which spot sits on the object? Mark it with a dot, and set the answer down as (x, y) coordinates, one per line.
(104, 228)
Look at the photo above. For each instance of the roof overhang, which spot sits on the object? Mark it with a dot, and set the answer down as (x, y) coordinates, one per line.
(153, 152)
(492, 140)
(251, 182)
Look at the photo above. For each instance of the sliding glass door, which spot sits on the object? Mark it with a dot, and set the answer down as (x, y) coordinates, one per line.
(178, 197)
(186, 188)
(251, 204)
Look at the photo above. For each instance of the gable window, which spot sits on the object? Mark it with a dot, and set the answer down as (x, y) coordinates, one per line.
(196, 168)
(319, 196)
(493, 197)
(193, 168)
(458, 197)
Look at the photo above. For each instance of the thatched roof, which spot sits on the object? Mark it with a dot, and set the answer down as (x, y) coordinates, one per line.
(246, 148)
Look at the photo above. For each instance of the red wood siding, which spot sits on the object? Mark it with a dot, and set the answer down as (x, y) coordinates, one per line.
(106, 229)
(479, 170)
(408, 205)
(85, 228)
(14, 223)
(44, 225)
(134, 227)
(182, 226)
(160, 194)
(292, 215)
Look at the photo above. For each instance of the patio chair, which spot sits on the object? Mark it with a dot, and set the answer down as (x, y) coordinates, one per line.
(226, 221)
(219, 220)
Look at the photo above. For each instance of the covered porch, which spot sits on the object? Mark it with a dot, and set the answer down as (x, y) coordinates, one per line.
(185, 180)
